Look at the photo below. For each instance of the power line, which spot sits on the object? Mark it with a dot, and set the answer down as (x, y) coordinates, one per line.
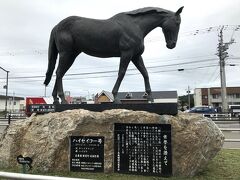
(218, 75)
(130, 74)
(152, 61)
(201, 31)
(114, 71)
(213, 74)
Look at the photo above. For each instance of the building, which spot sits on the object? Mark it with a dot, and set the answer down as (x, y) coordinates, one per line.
(81, 100)
(68, 97)
(137, 97)
(14, 103)
(104, 97)
(212, 96)
(77, 99)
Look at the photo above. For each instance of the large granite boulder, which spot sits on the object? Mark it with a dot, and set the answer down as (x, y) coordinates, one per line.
(195, 139)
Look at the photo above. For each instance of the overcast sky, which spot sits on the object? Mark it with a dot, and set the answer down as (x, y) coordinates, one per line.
(26, 26)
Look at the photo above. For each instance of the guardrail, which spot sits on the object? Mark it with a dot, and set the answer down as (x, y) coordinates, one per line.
(227, 120)
(232, 140)
(219, 115)
(33, 177)
(222, 117)
(229, 129)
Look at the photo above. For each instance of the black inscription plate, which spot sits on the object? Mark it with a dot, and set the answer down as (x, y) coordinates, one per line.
(87, 153)
(143, 149)
(41, 108)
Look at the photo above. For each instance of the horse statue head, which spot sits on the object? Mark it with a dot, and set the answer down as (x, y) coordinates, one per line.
(170, 28)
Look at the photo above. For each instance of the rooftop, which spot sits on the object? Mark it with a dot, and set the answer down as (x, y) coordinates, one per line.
(8, 97)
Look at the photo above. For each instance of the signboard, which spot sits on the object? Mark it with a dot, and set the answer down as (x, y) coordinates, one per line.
(143, 149)
(87, 153)
(25, 161)
(41, 108)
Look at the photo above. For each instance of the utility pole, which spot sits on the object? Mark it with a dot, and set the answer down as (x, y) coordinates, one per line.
(222, 54)
(6, 87)
(13, 100)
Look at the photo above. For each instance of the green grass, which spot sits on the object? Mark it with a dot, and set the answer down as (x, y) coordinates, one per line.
(226, 165)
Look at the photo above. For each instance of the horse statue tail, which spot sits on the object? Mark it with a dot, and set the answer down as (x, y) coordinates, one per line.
(52, 57)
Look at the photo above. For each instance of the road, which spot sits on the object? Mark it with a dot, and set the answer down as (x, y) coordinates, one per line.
(231, 131)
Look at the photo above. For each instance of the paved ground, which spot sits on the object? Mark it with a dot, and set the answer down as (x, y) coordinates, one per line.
(231, 131)
(231, 145)
(232, 125)
(231, 134)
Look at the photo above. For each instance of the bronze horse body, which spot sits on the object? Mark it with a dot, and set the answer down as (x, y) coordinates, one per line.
(119, 36)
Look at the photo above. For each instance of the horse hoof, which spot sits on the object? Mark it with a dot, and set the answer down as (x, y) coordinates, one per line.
(56, 102)
(149, 98)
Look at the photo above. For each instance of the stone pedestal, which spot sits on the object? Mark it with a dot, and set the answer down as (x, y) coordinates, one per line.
(44, 138)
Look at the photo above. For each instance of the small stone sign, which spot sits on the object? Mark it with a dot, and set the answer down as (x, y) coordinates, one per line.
(25, 161)
(143, 149)
(87, 153)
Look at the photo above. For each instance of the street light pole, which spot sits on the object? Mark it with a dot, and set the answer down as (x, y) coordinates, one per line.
(6, 93)
(6, 89)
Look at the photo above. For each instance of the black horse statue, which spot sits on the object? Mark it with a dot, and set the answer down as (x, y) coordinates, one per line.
(119, 36)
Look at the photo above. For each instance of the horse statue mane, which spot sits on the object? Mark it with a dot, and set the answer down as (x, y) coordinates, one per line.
(147, 10)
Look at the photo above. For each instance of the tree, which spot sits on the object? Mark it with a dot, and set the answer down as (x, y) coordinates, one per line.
(183, 102)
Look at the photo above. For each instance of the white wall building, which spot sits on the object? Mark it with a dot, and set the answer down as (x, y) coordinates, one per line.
(14, 104)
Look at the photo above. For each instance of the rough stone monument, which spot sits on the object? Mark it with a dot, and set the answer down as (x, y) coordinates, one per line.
(44, 138)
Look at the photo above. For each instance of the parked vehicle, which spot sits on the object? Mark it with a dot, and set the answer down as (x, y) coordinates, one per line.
(202, 110)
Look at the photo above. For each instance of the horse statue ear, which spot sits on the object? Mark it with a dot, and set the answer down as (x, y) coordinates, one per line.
(179, 11)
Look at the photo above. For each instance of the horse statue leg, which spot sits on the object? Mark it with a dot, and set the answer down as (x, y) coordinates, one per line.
(124, 62)
(138, 62)
(54, 93)
(66, 60)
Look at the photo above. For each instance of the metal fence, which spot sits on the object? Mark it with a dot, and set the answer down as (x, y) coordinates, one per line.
(222, 117)
(7, 119)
